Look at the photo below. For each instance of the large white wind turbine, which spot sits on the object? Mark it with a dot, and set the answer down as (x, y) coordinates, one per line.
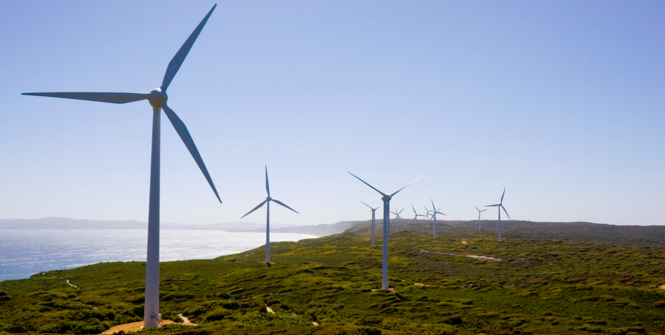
(426, 215)
(415, 218)
(386, 226)
(267, 203)
(157, 98)
(373, 212)
(500, 206)
(479, 211)
(397, 217)
(434, 213)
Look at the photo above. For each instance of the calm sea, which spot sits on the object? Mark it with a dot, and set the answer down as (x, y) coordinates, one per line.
(26, 252)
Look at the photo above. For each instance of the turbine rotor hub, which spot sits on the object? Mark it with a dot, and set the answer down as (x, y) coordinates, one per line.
(386, 198)
(268, 198)
(157, 98)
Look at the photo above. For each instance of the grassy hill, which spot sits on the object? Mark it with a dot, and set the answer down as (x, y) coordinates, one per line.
(524, 285)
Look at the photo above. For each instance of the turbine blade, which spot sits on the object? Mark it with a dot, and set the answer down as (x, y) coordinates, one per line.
(414, 209)
(115, 98)
(504, 210)
(179, 57)
(483, 210)
(405, 186)
(181, 129)
(383, 194)
(476, 208)
(281, 203)
(401, 211)
(267, 186)
(433, 207)
(255, 208)
(493, 205)
(366, 204)
(504, 193)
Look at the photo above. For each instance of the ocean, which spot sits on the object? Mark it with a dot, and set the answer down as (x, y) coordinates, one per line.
(26, 252)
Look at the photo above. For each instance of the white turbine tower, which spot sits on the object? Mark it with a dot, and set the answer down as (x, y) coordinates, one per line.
(386, 226)
(373, 212)
(397, 217)
(267, 201)
(415, 218)
(479, 211)
(434, 213)
(500, 206)
(157, 98)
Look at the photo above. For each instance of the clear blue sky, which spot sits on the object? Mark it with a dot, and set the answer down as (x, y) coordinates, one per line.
(562, 102)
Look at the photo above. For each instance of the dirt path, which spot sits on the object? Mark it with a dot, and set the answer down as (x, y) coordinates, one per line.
(186, 321)
(132, 327)
(482, 258)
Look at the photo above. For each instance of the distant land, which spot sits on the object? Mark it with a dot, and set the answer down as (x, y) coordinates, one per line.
(73, 224)
(567, 231)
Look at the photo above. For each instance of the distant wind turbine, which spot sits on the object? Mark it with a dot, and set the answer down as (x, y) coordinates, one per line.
(427, 215)
(479, 211)
(434, 213)
(397, 219)
(386, 226)
(500, 206)
(415, 218)
(157, 98)
(267, 203)
(373, 210)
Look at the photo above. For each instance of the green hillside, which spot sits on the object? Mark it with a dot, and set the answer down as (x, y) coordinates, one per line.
(523, 285)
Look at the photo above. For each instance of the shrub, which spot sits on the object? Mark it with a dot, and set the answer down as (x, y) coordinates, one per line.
(659, 304)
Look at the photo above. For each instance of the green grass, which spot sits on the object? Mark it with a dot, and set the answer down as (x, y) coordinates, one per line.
(540, 287)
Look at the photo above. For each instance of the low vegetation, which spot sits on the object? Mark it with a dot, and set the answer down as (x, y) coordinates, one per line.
(330, 285)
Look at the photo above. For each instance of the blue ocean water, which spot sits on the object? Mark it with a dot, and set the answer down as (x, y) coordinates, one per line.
(26, 252)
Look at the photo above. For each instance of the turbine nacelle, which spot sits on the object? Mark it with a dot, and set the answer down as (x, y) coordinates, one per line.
(158, 98)
(268, 199)
(386, 198)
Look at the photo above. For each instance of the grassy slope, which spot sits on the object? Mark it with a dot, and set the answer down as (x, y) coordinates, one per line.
(541, 287)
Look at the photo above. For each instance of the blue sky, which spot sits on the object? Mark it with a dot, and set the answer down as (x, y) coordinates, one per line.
(562, 102)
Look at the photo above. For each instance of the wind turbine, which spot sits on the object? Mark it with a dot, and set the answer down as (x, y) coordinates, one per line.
(434, 213)
(397, 219)
(500, 206)
(479, 211)
(267, 203)
(426, 215)
(415, 218)
(373, 210)
(157, 98)
(386, 226)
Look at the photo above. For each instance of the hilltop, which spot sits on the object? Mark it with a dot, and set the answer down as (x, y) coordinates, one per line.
(464, 282)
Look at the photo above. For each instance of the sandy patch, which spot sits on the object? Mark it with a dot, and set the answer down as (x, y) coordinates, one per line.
(390, 289)
(465, 242)
(482, 258)
(270, 310)
(132, 327)
(186, 321)
(662, 287)
(315, 324)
